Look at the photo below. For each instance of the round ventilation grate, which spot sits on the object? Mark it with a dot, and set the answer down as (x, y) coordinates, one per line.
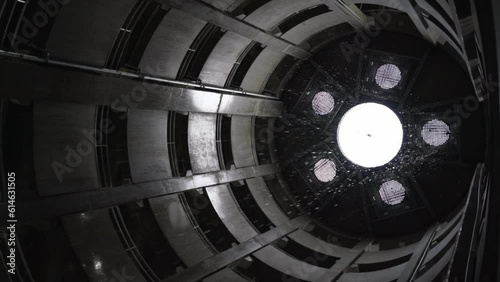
(323, 103)
(388, 76)
(392, 192)
(436, 132)
(325, 170)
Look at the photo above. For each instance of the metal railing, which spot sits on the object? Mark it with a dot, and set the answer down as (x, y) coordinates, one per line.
(467, 258)
(465, 247)
(131, 75)
(130, 246)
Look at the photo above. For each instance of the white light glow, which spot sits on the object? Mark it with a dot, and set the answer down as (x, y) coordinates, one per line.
(392, 192)
(325, 170)
(323, 103)
(435, 132)
(97, 264)
(370, 135)
(388, 76)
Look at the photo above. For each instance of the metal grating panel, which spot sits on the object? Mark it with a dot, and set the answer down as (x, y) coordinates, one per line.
(323, 103)
(392, 192)
(436, 132)
(325, 170)
(388, 76)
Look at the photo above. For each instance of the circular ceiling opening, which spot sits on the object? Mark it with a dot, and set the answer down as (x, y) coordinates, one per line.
(435, 132)
(323, 103)
(388, 76)
(325, 170)
(370, 135)
(392, 192)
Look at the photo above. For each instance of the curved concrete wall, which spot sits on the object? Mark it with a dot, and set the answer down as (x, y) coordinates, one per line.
(63, 146)
(178, 229)
(101, 254)
(78, 37)
(147, 145)
(222, 59)
(170, 43)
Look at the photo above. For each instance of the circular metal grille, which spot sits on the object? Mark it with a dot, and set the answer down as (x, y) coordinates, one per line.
(388, 76)
(436, 132)
(392, 192)
(325, 170)
(323, 103)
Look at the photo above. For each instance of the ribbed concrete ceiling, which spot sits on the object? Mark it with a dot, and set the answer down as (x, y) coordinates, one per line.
(427, 86)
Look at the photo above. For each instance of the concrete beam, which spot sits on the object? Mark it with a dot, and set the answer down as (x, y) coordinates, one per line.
(222, 260)
(107, 197)
(350, 13)
(217, 17)
(423, 197)
(64, 82)
(341, 266)
(413, 11)
(414, 78)
(418, 255)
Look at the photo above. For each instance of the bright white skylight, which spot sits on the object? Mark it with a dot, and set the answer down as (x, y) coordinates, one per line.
(436, 132)
(388, 76)
(325, 170)
(370, 135)
(392, 192)
(323, 103)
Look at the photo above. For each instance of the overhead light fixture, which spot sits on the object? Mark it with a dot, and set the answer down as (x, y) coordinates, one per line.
(370, 135)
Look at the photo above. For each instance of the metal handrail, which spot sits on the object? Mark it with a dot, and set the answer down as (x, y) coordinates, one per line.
(130, 246)
(463, 267)
(130, 75)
